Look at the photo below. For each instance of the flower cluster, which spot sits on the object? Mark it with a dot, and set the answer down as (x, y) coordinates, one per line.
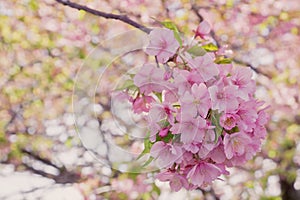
(201, 110)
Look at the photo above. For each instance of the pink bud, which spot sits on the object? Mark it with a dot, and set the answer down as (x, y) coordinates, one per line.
(203, 29)
(163, 132)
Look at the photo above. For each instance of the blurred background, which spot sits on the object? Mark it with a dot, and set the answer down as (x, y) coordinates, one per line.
(45, 50)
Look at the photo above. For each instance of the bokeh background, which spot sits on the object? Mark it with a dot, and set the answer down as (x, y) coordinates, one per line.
(45, 50)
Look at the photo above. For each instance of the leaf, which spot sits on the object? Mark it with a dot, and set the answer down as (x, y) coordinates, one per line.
(148, 161)
(147, 147)
(170, 25)
(233, 130)
(159, 96)
(215, 119)
(222, 60)
(196, 50)
(210, 47)
(166, 139)
(156, 189)
(128, 84)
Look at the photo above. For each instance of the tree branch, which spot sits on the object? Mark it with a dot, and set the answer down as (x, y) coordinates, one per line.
(123, 18)
(39, 158)
(64, 175)
(196, 11)
(213, 35)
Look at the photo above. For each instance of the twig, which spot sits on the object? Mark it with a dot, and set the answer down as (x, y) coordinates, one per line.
(196, 11)
(123, 18)
(213, 35)
(39, 158)
(256, 70)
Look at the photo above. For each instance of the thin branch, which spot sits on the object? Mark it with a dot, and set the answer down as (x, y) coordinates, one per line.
(123, 18)
(214, 36)
(256, 70)
(39, 158)
(196, 11)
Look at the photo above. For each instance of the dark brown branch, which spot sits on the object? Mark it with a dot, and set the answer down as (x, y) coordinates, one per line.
(63, 177)
(196, 11)
(39, 158)
(122, 18)
(256, 70)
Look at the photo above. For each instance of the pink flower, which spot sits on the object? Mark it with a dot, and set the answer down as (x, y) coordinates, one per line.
(183, 80)
(203, 173)
(205, 66)
(203, 29)
(228, 121)
(250, 150)
(247, 115)
(217, 154)
(166, 154)
(224, 69)
(241, 77)
(191, 129)
(223, 98)
(263, 117)
(159, 112)
(197, 100)
(209, 139)
(260, 132)
(177, 181)
(150, 79)
(158, 116)
(162, 44)
(236, 144)
(142, 104)
(208, 144)
(170, 95)
(192, 147)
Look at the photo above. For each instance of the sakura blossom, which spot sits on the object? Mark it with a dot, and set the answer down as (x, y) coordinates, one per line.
(162, 44)
(202, 115)
(149, 79)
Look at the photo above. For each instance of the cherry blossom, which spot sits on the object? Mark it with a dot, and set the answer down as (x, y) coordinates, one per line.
(198, 100)
(141, 104)
(205, 66)
(149, 79)
(235, 144)
(166, 154)
(162, 44)
(203, 173)
(224, 98)
(177, 181)
(202, 116)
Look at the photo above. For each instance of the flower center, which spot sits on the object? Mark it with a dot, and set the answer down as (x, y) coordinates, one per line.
(228, 122)
(220, 95)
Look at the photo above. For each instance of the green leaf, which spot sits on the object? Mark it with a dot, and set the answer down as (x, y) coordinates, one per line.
(210, 47)
(222, 60)
(128, 84)
(163, 123)
(215, 119)
(196, 50)
(147, 147)
(170, 25)
(159, 96)
(166, 139)
(233, 130)
(148, 161)
(156, 189)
